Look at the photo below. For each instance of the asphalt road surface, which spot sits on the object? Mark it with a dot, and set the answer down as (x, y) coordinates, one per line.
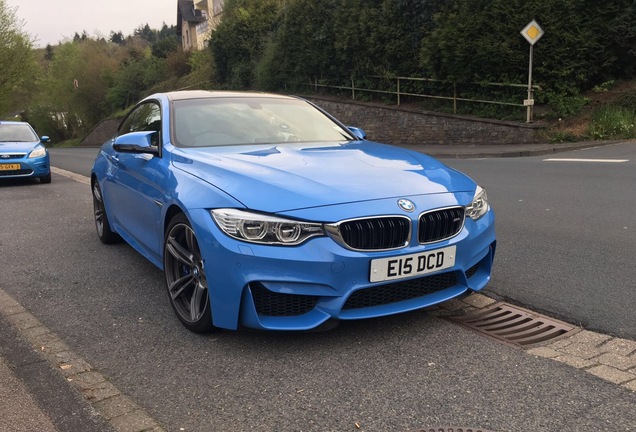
(566, 231)
(401, 373)
(566, 234)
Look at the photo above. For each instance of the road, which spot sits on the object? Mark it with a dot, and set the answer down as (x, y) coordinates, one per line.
(400, 373)
(78, 160)
(566, 231)
(566, 234)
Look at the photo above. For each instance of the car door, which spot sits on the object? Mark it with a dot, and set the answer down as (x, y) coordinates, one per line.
(133, 191)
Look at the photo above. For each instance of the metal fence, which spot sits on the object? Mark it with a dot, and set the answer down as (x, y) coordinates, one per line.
(400, 87)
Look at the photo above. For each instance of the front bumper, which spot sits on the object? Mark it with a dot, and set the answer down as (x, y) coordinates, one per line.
(25, 167)
(302, 287)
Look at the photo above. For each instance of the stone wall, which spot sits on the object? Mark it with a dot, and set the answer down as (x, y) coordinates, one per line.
(402, 126)
(101, 133)
(399, 126)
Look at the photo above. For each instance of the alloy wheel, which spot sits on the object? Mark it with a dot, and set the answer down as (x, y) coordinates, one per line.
(185, 275)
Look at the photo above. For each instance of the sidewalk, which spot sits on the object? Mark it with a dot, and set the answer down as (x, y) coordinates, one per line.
(33, 395)
(46, 387)
(18, 411)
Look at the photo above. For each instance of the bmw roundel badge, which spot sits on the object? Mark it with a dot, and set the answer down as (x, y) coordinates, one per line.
(406, 205)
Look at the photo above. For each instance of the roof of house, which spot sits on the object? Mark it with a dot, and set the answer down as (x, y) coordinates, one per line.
(186, 12)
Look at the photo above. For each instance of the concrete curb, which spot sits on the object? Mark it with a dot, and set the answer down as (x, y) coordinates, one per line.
(119, 410)
(505, 151)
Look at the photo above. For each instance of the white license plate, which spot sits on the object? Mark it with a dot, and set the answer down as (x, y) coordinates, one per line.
(405, 266)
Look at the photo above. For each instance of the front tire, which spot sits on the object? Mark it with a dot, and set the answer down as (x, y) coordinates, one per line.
(184, 272)
(45, 179)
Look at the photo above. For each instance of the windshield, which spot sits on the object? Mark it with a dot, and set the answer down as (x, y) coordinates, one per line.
(17, 132)
(251, 120)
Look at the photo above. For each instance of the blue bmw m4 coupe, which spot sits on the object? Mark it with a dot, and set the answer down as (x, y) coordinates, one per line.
(264, 211)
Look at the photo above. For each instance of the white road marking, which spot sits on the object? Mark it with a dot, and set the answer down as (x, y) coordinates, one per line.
(586, 160)
(77, 177)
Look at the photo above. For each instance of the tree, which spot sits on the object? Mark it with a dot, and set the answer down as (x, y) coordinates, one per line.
(302, 48)
(117, 38)
(76, 84)
(80, 38)
(302, 40)
(622, 37)
(167, 31)
(241, 37)
(136, 74)
(164, 46)
(48, 52)
(17, 61)
(480, 41)
(146, 33)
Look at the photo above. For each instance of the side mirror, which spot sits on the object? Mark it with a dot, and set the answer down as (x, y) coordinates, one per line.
(45, 139)
(137, 143)
(358, 133)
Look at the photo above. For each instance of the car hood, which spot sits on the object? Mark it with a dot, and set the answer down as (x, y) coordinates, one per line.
(277, 178)
(17, 147)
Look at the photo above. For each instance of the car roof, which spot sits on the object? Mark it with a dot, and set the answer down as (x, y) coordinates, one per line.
(204, 94)
(12, 122)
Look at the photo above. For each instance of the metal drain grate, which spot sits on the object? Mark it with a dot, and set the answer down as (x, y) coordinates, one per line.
(514, 325)
(452, 429)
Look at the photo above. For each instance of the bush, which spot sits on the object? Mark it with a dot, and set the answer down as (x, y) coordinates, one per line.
(613, 121)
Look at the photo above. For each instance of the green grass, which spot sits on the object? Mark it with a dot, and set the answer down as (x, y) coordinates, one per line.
(558, 137)
(613, 122)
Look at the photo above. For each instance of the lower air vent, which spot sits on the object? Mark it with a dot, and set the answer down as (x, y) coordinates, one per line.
(471, 271)
(399, 291)
(269, 303)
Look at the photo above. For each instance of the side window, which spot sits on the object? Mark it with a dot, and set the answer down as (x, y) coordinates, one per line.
(126, 126)
(146, 117)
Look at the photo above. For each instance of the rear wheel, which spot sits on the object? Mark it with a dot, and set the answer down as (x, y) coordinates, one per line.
(184, 272)
(101, 220)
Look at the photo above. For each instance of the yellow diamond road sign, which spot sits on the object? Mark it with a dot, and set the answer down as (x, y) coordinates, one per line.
(532, 32)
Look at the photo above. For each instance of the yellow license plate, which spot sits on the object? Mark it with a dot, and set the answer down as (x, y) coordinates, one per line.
(9, 167)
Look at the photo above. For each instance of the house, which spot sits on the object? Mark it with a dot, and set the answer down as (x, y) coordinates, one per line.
(195, 21)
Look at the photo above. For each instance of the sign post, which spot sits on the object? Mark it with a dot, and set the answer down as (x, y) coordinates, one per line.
(532, 33)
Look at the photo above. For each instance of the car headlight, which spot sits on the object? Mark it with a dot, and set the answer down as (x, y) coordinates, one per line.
(264, 229)
(38, 152)
(479, 206)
